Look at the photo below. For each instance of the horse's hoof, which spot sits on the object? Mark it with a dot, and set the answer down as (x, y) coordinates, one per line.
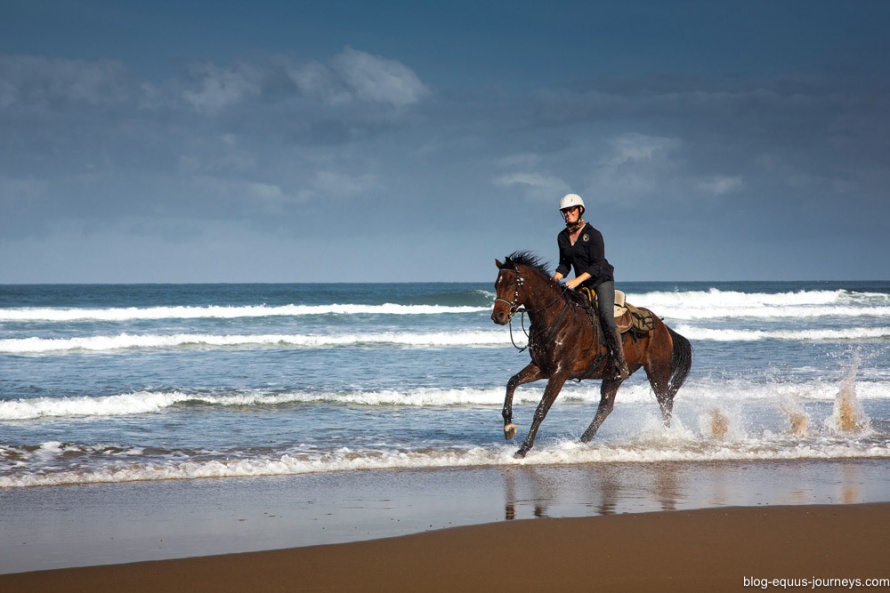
(520, 454)
(510, 431)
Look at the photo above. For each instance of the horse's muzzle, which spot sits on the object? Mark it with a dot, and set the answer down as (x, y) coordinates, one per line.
(501, 317)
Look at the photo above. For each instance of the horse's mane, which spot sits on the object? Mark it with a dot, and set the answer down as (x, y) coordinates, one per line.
(530, 260)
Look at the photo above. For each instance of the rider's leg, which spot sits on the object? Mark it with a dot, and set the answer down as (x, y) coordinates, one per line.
(605, 296)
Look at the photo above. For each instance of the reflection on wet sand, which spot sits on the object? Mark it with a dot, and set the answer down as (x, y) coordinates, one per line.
(617, 488)
(576, 490)
(850, 493)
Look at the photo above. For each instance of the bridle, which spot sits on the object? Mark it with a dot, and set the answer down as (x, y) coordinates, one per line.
(516, 308)
(514, 304)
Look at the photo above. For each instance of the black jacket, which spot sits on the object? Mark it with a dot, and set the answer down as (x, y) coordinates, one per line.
(588, 254)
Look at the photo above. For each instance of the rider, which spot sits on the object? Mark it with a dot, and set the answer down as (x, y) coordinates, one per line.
(581, 247)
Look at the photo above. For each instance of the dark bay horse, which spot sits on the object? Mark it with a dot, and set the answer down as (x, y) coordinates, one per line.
(564, 344)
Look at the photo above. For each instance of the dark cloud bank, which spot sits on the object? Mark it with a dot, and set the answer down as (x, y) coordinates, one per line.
(355, 167)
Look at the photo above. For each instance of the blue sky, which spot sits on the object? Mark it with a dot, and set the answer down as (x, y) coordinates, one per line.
(418, 141)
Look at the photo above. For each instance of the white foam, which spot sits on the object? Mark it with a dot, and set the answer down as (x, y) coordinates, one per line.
(696, 392)
(800, 335)
(147, 402)
(491, 338)
(480, 339)
(688, 305)
(668, 447)
(720, 304)
(738, 299)
(142, 402)
(153, 313)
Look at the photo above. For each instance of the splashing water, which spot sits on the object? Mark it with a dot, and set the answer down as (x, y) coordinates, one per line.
(719, 423)
(848, 416)
(797, 416)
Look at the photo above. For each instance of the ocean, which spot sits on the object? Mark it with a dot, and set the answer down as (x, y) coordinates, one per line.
(123, 383)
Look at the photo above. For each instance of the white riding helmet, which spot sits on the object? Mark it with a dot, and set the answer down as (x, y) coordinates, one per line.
(570, 200)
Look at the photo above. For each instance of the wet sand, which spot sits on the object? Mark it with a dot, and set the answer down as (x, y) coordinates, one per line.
(704, 550)
(625, 526)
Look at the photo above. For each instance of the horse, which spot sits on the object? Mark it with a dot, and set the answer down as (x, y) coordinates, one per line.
(565, 342)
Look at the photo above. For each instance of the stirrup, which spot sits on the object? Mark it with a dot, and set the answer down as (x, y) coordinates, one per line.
(620, 369)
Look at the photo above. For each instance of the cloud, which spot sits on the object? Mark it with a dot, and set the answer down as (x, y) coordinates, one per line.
(268, 143)
(636, 149)
(342, 184)
(238, 198)
(317, 81)
(719, 186)
(634, 168)
(37, 81)
(623, 170)
(209, 88)
(378, 79)
(215, 88)
(327, 184)
(524, 159)
(534, 185)
(355, 75)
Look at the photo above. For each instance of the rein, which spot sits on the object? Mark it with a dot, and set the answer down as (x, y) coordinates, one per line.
(516, 308)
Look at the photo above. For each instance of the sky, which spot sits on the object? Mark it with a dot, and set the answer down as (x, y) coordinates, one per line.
(397, 141)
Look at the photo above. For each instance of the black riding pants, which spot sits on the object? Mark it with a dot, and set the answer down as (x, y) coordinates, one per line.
(605, 298)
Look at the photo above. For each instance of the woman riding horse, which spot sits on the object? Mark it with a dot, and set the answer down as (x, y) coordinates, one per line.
(582, 247)
(564, 345)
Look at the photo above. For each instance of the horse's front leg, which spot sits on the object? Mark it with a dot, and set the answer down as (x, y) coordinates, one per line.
(527, 375)
(554, 386)
(608, 389)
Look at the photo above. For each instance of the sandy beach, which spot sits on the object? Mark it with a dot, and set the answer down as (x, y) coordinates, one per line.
(621, 527)
(801, 547)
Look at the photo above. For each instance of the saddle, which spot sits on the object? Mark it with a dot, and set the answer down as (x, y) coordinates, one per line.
(627, 317)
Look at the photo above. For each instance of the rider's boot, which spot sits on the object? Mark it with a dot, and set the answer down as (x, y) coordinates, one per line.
(614, 343)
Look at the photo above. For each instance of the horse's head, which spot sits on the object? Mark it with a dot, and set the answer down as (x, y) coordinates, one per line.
(506, 287)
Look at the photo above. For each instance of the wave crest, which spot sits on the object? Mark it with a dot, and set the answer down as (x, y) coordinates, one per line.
(218, 312)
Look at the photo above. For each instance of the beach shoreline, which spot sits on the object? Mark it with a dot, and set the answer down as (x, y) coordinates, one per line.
(718, 549)
(124, 523)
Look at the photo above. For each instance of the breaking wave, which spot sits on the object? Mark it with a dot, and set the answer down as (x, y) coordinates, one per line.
(687, 305)
(722, 304)
(150, 402)
(127, 341)
(155, 313)
(797, 335)
(108, 463)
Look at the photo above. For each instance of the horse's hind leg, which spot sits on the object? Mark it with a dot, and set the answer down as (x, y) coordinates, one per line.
(667, 408)
(660, 379)
(608, 389)
(527, 375)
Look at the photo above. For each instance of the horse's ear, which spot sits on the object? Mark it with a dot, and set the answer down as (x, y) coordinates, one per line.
(498, 263)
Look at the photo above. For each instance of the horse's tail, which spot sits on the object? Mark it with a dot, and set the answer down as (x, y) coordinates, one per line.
(681, 362)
